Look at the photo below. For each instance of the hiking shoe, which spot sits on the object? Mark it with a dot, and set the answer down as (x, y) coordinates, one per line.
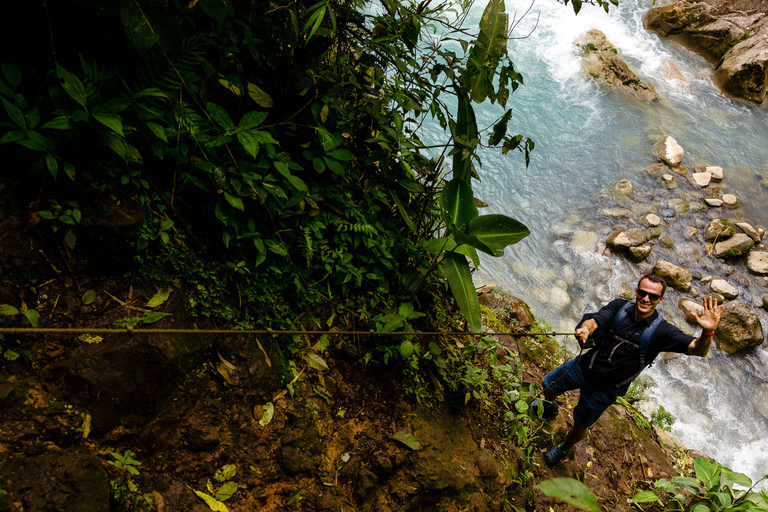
(555, 455)
(550, 409)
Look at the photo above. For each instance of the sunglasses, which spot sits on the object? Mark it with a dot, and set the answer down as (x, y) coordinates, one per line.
(651, 296)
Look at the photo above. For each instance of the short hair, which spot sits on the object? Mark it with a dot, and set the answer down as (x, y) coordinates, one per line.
(654, 278)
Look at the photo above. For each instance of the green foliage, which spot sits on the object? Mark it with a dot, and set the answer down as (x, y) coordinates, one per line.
(125, 462)
(570, 491)
(715, 488)
(663, 419)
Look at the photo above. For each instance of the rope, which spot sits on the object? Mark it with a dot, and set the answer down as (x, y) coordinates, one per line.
(253, 332)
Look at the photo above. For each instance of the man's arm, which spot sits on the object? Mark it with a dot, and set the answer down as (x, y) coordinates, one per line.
(585, 330)
(708, 321)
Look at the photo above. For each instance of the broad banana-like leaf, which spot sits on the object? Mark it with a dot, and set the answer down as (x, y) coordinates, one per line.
(473, 241)
(570, 491)
(487, 50)
(456, 271)
(457, 205)
(498, 230)
(465, 136)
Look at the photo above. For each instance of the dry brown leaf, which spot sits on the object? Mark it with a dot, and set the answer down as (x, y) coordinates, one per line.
(227, 363)
(229, 375)
(266, 357)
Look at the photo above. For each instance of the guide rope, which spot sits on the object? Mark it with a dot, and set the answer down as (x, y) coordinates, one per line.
(246, 332)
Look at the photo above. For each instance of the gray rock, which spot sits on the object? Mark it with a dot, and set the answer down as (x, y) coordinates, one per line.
(623, 187)
(757, 261)
(730, 200)
(668, 151)
(584, 241)
(640, 252)
(688, 306)
(676, 277)
(723, 287)
(715, 172)
(701, 179)
(739, 330)
(749, 230)
(713, 202)
(720, 229)
(735, 246)
(651, 220)
(616, 212)
(669, 181)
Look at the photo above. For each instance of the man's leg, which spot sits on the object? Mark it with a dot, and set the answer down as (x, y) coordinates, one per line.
(557, 382)
(592, 404)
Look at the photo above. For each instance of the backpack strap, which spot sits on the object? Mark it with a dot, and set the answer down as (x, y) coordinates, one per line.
(621, 315)
(645, 340)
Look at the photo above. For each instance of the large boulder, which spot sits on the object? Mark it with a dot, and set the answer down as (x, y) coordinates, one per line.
(676, 277)
(733, 38)
(668, 151)
(604, 65)
(735, 246)
(739, 330)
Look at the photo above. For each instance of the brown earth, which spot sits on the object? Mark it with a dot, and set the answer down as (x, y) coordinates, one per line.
(188, 406)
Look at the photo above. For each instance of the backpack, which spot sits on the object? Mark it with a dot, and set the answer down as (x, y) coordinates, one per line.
(602, 369)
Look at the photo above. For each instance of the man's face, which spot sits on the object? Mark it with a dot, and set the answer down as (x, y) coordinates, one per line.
(648, 296)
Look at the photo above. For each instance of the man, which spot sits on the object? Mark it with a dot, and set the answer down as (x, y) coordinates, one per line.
(606, 371)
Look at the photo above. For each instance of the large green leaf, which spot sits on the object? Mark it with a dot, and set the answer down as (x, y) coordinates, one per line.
(570, 491)
(465, 136)
(457, 205)
(456, 270)
(708, 472)
(72, 85)
(488, 49)
(497, 230)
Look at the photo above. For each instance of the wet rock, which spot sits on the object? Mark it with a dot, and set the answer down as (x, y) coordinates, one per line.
(723, 287)
(621, 239)
(764, 298)
(739, 330)
(667, 213)
(701, 179)
(604, 65)
(715, 172)
(616, 212)
(713, 202)
(749, 230)
(735, 246)
(640, 252)
(584, 241)
(680, 206)
(731, 37)
(720, 229)
(757, 261)
(654, 232)
(624, 187)
(688, 306)
(730, 200)
(668, 151)
(651, 220)
(676, 277)
(667, 241)
(626, 292)
(669, 181)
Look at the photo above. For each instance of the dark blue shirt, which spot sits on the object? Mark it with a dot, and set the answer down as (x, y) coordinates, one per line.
(667, 337)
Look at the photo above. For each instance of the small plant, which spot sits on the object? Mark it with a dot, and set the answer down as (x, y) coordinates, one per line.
(715, 488)
(125, 462)
(663, 419)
